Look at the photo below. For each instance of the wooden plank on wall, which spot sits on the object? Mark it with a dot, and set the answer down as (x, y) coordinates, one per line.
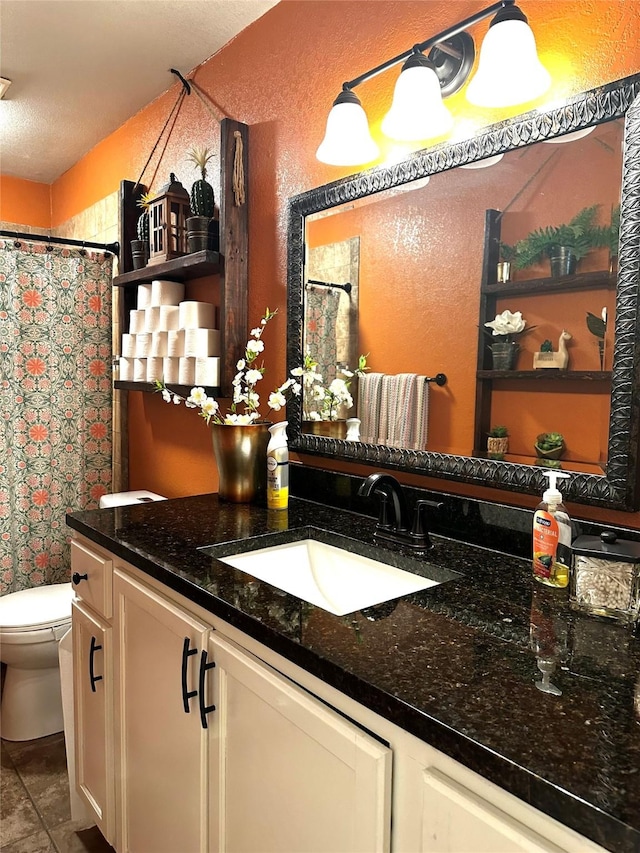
(234, 245)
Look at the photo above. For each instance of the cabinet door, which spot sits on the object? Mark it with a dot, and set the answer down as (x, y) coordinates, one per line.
(437, 813)
(294, 776)
(93, 702)
(162, 745)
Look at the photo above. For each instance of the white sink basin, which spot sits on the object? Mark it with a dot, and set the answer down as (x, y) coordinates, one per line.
(332, 578)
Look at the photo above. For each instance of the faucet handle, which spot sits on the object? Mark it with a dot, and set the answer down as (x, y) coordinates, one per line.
(419, 531)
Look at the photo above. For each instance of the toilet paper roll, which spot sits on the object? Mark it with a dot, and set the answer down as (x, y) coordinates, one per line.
(159, 344)
(175, 342)
(187, 371)
(143, 296)
(136, 321)
(139, 369)
(196, 315)
(126, 369)
(128, 346)
(171, 370)
(152, 319)
(166, 292)
(201, 342)
(207, 371)
(143, 345)
(154, 369)
(169, 318)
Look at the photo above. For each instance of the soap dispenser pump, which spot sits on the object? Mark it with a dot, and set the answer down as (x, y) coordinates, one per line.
(552, 536)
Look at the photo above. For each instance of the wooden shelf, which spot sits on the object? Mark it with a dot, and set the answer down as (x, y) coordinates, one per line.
(547, 374)
(580, 281)
(149, 387)
(185, 268)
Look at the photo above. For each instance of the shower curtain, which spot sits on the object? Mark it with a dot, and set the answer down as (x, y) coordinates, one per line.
(55, 396)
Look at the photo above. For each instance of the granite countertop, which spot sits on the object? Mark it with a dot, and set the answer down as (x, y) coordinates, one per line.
(454, 665)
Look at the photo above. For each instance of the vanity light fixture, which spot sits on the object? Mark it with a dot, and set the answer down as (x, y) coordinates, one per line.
(509, 73)
(4, 85)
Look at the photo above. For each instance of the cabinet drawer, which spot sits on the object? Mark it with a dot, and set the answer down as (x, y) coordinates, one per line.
(91, 577)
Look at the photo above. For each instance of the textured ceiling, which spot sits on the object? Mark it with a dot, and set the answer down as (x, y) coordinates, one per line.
(81, 68)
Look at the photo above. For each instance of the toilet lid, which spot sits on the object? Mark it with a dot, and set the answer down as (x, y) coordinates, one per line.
(39, 607)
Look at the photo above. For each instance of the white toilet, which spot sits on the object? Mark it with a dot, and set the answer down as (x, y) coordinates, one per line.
(32, 623)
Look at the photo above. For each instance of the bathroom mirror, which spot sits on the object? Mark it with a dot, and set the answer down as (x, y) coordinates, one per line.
(433, 186)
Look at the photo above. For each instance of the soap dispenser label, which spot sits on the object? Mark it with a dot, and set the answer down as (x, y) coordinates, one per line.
(545, 543)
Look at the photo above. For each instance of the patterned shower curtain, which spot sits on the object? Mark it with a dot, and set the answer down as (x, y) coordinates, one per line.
(55, 398)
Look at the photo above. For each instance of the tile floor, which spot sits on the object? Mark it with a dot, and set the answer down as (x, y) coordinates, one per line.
(35, 814)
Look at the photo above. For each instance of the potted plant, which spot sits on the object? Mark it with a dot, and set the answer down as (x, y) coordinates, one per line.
(507, 255)
(564, 245)
(240, 435)
(498, 441)
(322, 404)
(140, 247)
(550, 445)
(201, 227)
(506, 329)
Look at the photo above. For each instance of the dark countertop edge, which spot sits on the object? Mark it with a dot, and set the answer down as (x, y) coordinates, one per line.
(568, 809)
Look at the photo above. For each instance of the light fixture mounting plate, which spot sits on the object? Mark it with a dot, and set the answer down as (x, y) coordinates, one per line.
(453, 66)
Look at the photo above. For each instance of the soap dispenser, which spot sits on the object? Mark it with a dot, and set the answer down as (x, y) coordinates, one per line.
(552, 536)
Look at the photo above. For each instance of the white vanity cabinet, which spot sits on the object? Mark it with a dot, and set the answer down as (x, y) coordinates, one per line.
(294, 775)
(161, 758)
(93, 682)
(222, 745)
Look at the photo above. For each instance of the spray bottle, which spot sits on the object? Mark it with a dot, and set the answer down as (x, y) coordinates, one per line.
(552, 536)
(278, 467)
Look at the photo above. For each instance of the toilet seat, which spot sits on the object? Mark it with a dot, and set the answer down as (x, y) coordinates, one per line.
(36, 608)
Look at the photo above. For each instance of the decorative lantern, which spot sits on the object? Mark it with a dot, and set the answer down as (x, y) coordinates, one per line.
(168, 213)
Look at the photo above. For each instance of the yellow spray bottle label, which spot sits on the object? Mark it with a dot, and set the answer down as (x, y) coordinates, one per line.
(278, 467)
(277, 480)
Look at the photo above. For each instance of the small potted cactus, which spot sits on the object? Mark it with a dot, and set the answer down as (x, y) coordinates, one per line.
(498, 441)
(549, 445)
(140, 247)
(202, 228)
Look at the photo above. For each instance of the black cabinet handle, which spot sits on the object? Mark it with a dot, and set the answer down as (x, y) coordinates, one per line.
(92, 677)
(186, 694)
(76, 578)
(204, 709)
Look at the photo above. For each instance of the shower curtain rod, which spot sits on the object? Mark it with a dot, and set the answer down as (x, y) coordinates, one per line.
(346, 287)
(114, 248)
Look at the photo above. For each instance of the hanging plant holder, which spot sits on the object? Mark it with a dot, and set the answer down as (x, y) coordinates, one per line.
(168, 213)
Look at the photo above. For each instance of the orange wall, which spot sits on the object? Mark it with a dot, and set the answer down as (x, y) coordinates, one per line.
(25, 202)
(280, 76)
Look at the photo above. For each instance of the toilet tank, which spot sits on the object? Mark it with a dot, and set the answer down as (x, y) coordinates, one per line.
(126, 498)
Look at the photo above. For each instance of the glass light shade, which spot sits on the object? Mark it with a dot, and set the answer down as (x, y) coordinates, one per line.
(347, 140)
(483, 164)
(509, 71)
(570, 137)
(417, 111)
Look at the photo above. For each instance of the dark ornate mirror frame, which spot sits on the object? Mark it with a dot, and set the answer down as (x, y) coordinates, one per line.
(619, 489)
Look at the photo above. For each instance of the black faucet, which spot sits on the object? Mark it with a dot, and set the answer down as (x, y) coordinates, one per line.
(393, 525)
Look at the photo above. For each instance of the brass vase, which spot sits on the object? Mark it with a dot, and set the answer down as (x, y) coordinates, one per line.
(330, 429)
(241, 457)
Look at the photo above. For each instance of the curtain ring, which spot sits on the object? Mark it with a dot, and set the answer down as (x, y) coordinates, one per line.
(82, 251)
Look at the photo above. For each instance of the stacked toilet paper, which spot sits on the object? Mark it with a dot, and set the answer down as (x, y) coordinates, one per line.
(170, 338)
